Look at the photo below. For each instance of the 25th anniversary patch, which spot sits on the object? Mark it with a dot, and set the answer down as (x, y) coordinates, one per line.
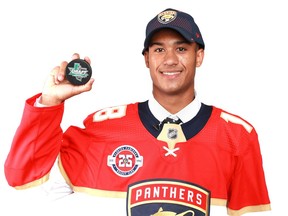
(161, 197)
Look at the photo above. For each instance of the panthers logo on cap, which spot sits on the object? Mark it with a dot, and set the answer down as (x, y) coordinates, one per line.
(167, 16)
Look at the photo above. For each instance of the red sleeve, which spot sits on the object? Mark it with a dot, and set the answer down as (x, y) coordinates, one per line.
(248, 188)
(35, 146)
(77, 160)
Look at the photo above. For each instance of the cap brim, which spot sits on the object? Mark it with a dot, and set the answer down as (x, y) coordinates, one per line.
(179, 30)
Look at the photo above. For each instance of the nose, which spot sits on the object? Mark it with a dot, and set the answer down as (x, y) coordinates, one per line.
(171, 58)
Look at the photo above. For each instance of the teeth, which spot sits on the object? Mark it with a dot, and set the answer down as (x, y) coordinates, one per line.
(170, 73)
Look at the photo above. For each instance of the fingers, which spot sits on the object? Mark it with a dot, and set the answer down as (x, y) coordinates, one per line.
(75, 56)
(88, 85)
(61, 73)
(54, 75)
(83, 88)
(58, 72)
(86, 58)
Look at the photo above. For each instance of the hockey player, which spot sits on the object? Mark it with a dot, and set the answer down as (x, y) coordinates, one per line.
(201, 156)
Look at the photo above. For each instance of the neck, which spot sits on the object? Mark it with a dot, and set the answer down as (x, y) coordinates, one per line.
(174, 103)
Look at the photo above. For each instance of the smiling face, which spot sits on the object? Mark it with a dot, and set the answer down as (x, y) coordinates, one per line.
(172, 62)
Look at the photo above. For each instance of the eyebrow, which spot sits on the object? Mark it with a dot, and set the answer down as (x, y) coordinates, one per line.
(177, 43)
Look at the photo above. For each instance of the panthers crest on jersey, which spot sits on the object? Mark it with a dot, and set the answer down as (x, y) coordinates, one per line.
(167, 197)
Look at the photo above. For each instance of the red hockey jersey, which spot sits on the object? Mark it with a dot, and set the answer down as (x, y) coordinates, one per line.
(120, 146)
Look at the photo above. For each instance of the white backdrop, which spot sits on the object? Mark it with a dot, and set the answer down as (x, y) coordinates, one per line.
(243, 70)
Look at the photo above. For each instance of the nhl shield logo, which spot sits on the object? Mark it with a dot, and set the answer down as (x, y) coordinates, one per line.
(172, 133)
(163, 197)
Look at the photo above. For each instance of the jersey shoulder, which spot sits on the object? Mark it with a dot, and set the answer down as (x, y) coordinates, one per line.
(124, 112)
(230, 119)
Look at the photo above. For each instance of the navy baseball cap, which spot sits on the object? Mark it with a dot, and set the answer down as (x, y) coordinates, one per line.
(179, 21)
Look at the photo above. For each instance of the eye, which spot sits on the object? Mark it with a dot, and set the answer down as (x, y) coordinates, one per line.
(159, 50)
(181, 49)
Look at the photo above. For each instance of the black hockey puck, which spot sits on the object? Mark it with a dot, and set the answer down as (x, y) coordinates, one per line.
(78, 72)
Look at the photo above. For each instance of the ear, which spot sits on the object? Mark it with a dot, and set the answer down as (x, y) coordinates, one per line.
(146, 58)
(199, 57)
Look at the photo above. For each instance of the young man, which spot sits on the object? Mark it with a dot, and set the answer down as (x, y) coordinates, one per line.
(199, 157)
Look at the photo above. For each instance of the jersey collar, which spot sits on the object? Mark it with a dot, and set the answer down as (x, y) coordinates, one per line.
(186, 114)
